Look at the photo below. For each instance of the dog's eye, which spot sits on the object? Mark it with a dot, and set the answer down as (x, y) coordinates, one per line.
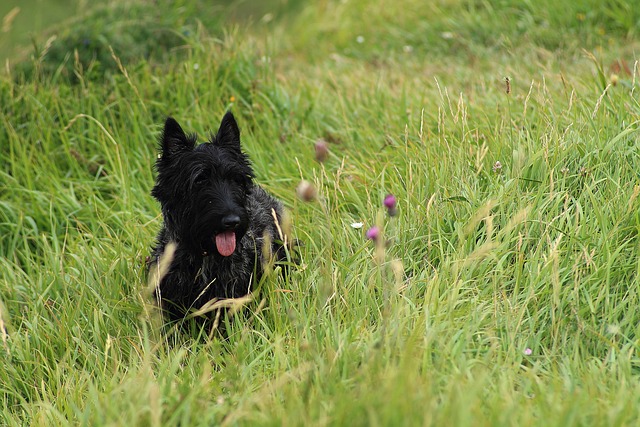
(201, 178)
(238, 179)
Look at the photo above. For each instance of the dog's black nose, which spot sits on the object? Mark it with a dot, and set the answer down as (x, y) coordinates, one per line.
(230, 222)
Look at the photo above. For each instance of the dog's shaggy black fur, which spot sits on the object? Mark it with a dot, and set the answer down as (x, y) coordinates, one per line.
(217, 216)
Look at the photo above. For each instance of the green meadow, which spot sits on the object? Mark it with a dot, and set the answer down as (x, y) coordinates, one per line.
(505, 292)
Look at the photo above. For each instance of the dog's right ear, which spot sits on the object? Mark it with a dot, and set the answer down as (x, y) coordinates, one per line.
(174, 140)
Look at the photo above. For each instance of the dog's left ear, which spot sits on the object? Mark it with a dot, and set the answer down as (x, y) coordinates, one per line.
(173, 140)
(229, 134)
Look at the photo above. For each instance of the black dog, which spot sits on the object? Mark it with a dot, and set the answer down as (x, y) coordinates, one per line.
(225, 227)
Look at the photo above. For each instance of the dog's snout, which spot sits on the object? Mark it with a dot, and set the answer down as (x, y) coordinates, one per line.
(230, 222)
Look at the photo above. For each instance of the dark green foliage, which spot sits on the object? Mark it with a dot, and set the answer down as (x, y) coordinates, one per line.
(89, 47)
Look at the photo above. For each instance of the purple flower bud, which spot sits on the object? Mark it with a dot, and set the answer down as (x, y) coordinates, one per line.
(390, 201)
(306, 191)
(322, 150)
(373, 233)
(390, 204)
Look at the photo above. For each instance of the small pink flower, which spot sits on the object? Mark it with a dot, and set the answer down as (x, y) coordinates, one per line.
(390, 201)
(373, 233)
(390, 204)
(527, 351)
(322, 150)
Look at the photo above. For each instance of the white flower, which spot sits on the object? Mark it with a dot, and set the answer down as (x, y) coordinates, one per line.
(497, 166)
(357, 225)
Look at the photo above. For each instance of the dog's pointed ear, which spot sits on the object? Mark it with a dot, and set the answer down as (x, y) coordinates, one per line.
(173, 139)
(228, 134)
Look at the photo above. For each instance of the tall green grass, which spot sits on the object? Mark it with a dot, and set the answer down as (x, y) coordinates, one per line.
(502, 294)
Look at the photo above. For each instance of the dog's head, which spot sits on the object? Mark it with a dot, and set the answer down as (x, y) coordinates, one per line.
(203, 188)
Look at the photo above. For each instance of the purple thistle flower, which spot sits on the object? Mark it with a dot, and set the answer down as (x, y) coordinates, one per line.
(527, 351)
(373, 233)
(390, 204)
(322, 150)
(390, 201)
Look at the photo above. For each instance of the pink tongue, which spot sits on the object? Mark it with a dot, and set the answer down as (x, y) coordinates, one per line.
(226, 243)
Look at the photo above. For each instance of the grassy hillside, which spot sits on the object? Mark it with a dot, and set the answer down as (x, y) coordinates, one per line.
(505, 291)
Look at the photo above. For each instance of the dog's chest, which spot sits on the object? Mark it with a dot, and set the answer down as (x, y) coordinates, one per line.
(224, 279)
